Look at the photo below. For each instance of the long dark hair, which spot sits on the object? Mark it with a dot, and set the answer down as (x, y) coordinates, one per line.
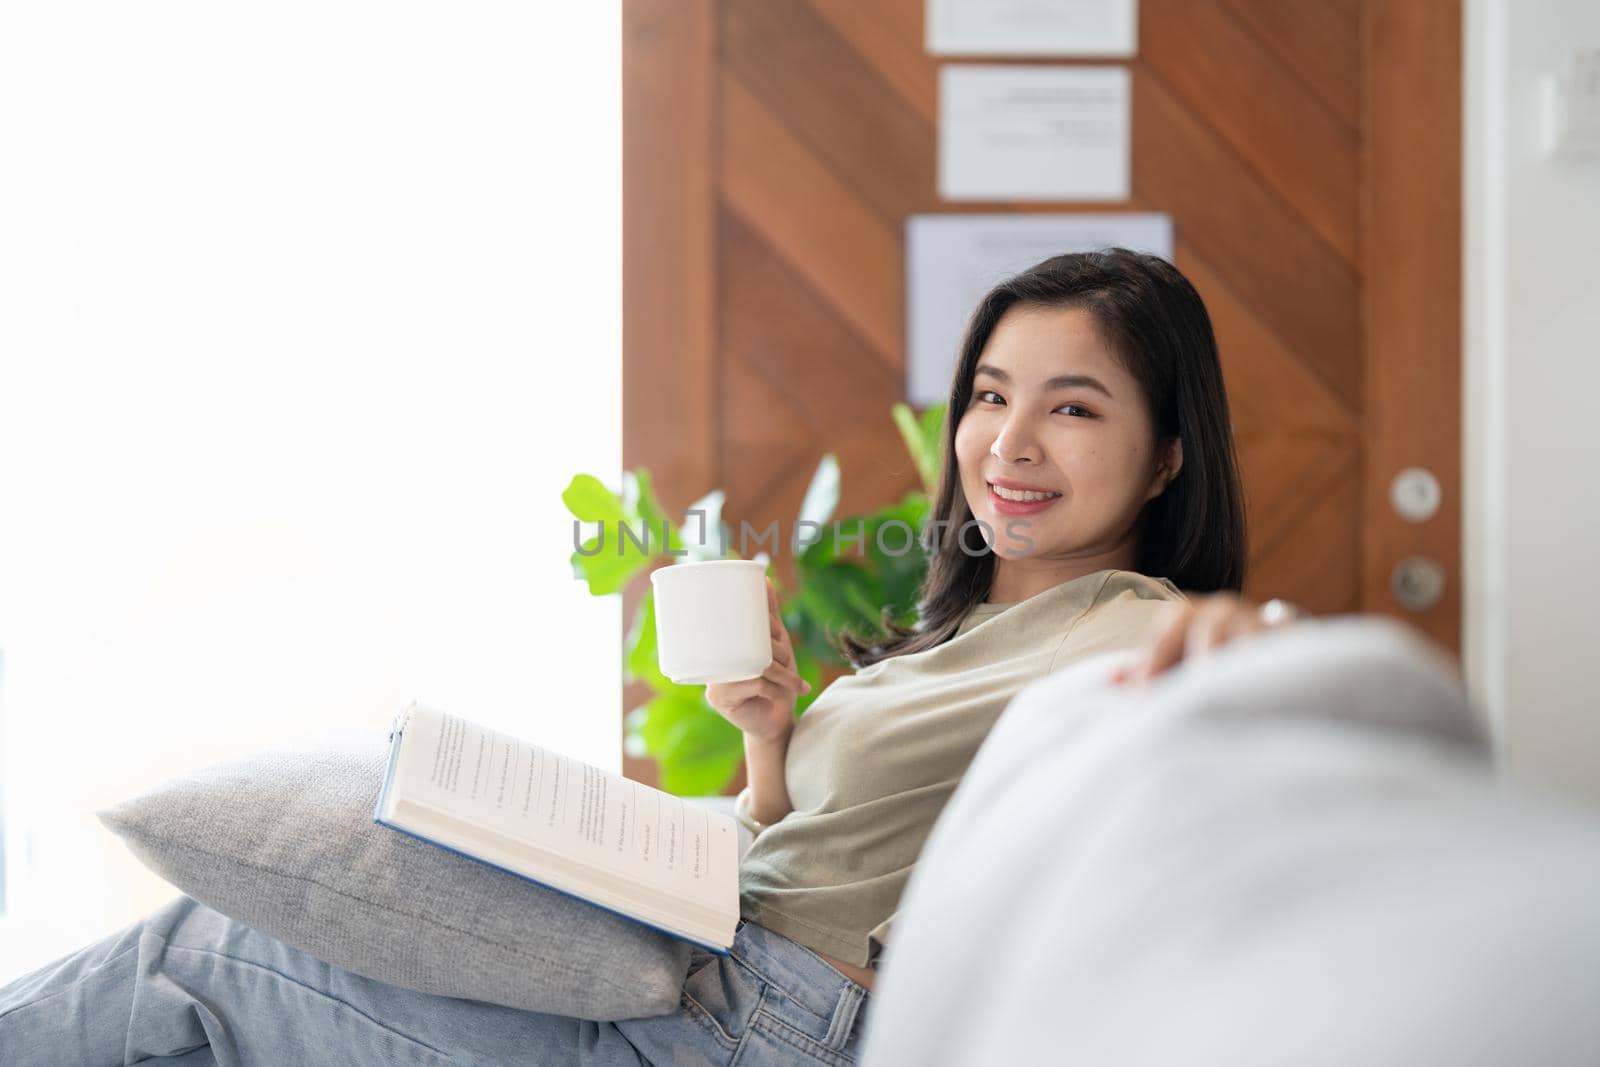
(1193, 533)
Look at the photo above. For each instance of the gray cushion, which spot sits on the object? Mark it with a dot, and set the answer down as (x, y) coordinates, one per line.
(284, 842)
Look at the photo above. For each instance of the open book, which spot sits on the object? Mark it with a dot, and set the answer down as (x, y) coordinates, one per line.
(647, 855)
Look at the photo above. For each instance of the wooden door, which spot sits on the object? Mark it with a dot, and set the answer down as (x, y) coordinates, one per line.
(1309, 154)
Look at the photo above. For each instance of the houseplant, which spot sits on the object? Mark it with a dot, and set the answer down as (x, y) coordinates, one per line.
(848, 570)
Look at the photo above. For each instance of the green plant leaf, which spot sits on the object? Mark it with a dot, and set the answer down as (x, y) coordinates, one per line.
(704, 771)
(839, 595)
(933, 431)
(640, 662)
(898, 558)
(652, 722)
(698, 751)
(808, 667)
(905, 420)
(889, 555)
(610, 565)
(639, 501)
(590, 501)
(923, 441)
(609, 560)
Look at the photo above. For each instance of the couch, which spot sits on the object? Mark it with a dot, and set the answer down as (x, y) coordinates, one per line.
(1296, 851)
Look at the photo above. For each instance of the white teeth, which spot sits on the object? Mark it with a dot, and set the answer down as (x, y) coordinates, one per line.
(1013, 494)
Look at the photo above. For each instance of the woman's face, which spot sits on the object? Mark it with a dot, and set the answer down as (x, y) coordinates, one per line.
(1038, 421)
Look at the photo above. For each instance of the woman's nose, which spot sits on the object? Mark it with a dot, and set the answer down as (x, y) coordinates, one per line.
(1015, 444)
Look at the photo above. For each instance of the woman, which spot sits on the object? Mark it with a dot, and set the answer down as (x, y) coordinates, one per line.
(1088, 447)
(1089, 474)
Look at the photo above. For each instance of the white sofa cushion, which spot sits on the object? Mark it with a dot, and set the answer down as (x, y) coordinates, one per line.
(1291, 852)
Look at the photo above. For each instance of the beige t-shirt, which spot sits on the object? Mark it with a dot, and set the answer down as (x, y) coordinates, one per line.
(876, 756)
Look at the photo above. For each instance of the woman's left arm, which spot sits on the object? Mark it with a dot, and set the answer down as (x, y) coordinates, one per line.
(1193, 628)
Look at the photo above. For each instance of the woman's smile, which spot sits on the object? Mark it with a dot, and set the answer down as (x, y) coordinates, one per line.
(1005, 500)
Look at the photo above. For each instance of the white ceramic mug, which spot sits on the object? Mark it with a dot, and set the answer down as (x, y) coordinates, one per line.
(711, 621)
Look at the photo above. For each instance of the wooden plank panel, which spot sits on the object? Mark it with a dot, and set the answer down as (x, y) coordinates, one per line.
(1267, 384)
(1316, 565)
(844, 250)
(668, 264)
(777, 325)
(763, 424)
(814, 369)
(1413, 272)
(1293, 433)
(1265, 252)
(834, 102)
(668, 245)
(1277, 125)
(889, 36)
(1286, 473)
(1319, 42)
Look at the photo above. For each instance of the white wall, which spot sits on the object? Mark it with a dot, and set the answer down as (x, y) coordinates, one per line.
(308, 312)
(1532, 397)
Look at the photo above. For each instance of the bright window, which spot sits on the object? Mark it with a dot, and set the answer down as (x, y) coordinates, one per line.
(308, 311)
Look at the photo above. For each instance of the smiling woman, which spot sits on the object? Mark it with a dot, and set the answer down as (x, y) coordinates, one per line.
(1088, 431)
(1022, 447)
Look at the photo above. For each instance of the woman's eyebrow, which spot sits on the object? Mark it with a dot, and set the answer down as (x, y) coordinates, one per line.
(1060, 381)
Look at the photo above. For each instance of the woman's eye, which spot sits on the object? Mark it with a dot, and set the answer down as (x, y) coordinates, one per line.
(989, 396)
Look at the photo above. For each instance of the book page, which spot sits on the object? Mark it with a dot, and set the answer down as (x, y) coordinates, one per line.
(564, 805)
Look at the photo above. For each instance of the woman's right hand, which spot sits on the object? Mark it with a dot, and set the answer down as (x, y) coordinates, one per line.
(763, 707)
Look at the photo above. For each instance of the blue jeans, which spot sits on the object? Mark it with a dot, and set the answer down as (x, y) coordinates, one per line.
(188, 985)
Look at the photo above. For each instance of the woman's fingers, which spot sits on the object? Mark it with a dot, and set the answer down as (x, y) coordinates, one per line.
(787, 678)
(1183, 629)
(782, 650)
(775, 691)
(780, 632)
(782, 646)
(775, 683)
(1192, 630)
(1168, 646)
(1206, 630)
